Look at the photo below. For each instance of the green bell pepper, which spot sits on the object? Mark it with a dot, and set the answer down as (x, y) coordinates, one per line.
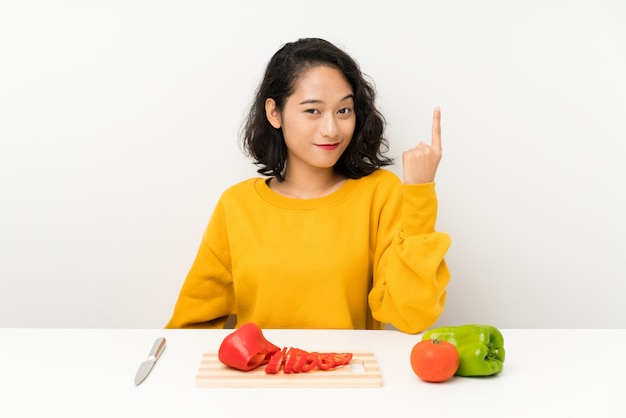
(480, 347)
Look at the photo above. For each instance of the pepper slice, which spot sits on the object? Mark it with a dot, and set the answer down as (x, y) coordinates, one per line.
(341, 359)
(325, 361)
(246, 348)
(310, 362)
(480, 347)
(290, 360)
(276, 362)
(300, 362)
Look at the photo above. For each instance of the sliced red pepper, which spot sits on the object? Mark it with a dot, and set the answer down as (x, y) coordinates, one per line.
(295, 360)
(325, 361)
(301, 361)
(341, 359)
(246, 348)
(276, 362)
(290, 360)
(310, 362)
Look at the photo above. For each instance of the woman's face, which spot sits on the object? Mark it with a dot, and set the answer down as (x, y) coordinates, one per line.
(317, 120)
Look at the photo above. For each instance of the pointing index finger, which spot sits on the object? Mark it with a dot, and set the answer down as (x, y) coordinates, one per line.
(436, 136)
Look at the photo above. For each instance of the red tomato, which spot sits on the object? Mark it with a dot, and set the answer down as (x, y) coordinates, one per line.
(434, 360)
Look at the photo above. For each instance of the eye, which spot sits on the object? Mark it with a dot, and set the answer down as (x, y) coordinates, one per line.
(311, 111)
(345, 111)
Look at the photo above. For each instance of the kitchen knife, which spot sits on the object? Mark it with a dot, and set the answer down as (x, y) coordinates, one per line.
(148, 364)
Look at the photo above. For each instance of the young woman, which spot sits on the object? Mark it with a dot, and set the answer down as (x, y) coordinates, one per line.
(327, 238)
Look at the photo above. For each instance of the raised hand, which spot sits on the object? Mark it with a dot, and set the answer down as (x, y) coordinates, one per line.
(420, 163)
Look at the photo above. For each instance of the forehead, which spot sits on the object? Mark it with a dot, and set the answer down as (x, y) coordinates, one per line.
(321, 82)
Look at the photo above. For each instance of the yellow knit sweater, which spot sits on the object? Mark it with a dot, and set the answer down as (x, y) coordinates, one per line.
(364, 256)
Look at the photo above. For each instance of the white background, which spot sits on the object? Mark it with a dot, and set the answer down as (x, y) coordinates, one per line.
(119, 127)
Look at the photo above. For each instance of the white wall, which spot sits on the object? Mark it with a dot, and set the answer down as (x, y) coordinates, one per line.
(119, 123)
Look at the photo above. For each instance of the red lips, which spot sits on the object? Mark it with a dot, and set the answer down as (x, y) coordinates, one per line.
(329, 147)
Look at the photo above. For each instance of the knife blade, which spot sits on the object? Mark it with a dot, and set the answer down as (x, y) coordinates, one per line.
(146, 366)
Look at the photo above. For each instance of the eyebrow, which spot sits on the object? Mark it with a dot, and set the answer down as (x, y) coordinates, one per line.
(316, 101)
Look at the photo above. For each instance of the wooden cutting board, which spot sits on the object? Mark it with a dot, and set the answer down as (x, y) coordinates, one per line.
(363, 371)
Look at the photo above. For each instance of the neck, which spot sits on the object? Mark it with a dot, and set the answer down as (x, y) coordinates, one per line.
(308, 185)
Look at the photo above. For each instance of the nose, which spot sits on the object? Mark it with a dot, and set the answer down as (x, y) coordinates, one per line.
(328, 126)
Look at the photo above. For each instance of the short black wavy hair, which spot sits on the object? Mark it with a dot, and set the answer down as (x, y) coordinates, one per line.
(266, 144)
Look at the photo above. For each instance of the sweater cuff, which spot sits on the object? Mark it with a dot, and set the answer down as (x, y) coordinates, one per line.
(419, 208)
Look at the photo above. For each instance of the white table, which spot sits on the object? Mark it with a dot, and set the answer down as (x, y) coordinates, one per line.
(89, 373)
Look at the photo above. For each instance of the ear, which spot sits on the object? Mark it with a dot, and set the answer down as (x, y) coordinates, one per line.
(272, 113)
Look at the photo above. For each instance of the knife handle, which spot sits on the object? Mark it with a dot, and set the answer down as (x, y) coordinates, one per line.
(157, 348)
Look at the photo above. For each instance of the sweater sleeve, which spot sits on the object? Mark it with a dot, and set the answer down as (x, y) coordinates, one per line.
(207, 298)
(410, 272)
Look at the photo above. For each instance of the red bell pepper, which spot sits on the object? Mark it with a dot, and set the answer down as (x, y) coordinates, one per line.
(246, 348)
